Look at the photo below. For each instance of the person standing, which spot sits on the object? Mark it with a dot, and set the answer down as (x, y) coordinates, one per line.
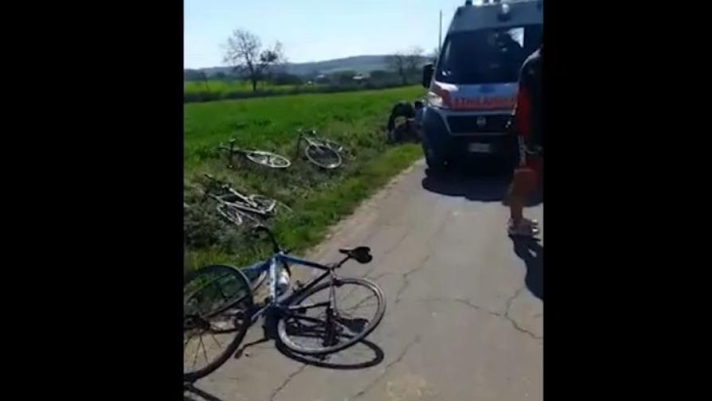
(527, 124)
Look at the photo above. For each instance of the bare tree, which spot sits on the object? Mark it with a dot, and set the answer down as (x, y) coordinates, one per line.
(413, 60)
(204, 76)
(396, 62)
(406, 63)
(244, 53)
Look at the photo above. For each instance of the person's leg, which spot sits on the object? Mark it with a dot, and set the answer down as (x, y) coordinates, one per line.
(523, 184)
(516, 196)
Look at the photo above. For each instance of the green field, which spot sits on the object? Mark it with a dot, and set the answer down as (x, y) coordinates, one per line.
(223, 86)
(318, 198)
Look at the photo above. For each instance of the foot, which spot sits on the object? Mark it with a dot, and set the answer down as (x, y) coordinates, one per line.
(531, 222)
(525, 228)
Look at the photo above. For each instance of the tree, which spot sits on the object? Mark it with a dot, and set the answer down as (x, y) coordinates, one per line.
(342, 77)
(284, 78)
(406, 63)
(380, 75)
(413, 60)
(244, 53)
(396, 62)
(433, 56)
(192, 75)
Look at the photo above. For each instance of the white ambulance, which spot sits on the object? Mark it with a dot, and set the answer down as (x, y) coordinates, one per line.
(473, 86)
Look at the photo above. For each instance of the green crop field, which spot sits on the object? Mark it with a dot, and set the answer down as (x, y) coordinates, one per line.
(318, 198)
(223, 86)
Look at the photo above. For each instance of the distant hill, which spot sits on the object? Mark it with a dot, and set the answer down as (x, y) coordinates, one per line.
(360, 64)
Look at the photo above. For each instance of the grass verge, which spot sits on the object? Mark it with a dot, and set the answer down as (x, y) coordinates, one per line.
(318, 213)
(318, 198)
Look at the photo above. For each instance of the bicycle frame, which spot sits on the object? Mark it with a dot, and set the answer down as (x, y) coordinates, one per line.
(243, 202)
(247, 204)
(273, 265)
(315, 141)
(310, 139)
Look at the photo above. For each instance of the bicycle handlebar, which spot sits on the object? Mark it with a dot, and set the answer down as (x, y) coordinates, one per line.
(222, 184)
(216, 181)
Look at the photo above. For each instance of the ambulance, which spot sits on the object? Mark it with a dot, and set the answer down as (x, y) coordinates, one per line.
(472, 87)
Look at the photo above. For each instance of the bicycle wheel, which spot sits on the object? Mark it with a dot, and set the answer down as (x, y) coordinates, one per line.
(323, 156)
(328, 330)
(217, 305)
(238, 216)
(268, 159)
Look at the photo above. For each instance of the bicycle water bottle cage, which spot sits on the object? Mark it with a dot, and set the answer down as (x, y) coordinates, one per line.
(362, 254)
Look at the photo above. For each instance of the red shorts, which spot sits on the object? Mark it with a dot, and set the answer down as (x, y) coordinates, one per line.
(528, 176)
(535, 163)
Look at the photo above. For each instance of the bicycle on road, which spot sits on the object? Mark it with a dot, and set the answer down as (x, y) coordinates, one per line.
(218, 303)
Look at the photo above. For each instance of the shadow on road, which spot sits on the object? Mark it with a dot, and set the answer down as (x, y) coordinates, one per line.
(481, 185)
(532, 253)
(190, 392)
(361, 355)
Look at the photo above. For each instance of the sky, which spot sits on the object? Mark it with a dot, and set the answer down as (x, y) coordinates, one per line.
(313, 30)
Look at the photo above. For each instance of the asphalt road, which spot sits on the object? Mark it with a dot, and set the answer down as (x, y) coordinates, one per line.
(464, 317)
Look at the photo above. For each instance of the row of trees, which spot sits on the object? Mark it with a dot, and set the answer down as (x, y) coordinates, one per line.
(406, 63)
(250, 60)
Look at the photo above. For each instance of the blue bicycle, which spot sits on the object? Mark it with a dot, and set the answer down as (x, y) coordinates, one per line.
(219, 304)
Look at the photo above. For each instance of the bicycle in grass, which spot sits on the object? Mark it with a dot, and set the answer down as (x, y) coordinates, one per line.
(226, 308)
(261, 157)
(238, 208)
(321, 152)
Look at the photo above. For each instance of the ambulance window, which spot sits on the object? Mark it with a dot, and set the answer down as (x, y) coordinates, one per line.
(487, 55)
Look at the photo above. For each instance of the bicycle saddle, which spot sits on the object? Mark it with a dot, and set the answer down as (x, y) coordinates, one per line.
(362, 254)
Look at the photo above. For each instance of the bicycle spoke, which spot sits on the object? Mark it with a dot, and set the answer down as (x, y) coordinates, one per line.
(205, 352)
(222, 292)
(195, 358)
(187, 342)
(216, 340)
(361, 302)
(215, 316)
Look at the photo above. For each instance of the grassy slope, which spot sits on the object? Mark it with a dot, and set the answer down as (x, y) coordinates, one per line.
(318, 198)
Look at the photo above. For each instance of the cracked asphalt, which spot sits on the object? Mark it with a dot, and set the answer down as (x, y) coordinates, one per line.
(464, 318)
